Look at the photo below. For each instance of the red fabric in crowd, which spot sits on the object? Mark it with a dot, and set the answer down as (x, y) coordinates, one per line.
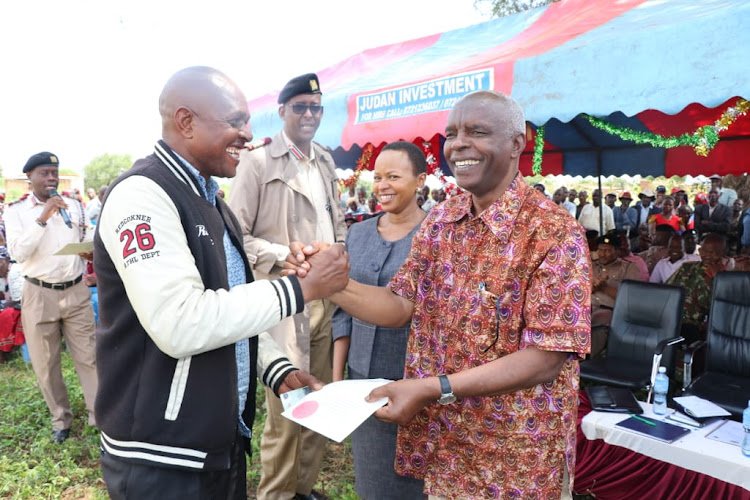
(11, 329)
(611, 472)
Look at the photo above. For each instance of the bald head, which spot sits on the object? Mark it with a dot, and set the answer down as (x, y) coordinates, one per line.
(205, 119)
(198, 88)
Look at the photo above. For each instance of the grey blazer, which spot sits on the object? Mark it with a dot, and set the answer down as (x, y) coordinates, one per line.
(374, 351)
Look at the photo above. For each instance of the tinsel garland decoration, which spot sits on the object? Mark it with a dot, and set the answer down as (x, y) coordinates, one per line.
(703, 140)
(536, 167)
(363, 163)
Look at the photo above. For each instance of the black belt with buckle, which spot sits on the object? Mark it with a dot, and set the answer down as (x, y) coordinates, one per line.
(54, 286)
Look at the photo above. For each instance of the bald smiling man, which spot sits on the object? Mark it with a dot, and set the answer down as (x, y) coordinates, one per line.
(181, 317)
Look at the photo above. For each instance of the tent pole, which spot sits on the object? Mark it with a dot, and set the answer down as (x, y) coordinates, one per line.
(601, 193)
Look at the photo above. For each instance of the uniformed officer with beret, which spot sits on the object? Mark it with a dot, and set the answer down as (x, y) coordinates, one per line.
(56, 302)
(285, 192)
(609, 272)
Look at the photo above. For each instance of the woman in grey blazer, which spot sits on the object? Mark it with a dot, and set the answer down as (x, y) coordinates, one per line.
(377, 247)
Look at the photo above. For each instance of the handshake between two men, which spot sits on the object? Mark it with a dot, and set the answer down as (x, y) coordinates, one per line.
(323, 268)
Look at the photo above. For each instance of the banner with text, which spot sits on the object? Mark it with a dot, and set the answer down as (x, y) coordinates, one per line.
(426, 97)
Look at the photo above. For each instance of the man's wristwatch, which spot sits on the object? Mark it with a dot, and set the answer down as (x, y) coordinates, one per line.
(446, 397)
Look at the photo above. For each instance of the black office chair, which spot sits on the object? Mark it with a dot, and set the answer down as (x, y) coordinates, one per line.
(726, 379)
(646, 321)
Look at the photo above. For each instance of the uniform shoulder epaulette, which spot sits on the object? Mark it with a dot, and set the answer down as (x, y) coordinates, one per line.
(19, 200)
(324, 148)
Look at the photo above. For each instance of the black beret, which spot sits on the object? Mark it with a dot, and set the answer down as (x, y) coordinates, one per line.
(305, 84)
(43, 158)
(609, 239)
(591, 234)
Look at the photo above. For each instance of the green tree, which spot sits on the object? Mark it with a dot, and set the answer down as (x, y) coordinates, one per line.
(104, 169)
(502, 8)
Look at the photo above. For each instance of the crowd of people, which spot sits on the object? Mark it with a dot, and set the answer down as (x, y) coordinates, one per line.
(477, 306)
(661, 239)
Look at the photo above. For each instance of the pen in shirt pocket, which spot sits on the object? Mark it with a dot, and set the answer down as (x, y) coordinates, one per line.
(487, 297)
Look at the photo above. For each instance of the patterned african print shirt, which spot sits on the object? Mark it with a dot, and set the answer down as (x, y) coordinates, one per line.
(518, 275)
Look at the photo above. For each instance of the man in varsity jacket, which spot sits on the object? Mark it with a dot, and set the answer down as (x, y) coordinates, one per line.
(179, 334)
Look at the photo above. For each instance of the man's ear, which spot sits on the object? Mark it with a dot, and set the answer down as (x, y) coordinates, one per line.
(184, 121)
(282, 111)
(519, 144)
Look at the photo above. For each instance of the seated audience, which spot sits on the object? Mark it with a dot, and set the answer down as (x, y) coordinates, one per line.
(592, 239)
(667, 266)
(609, 272)
(657, 250)
(625, 254)
(697, 279)
(690, 239)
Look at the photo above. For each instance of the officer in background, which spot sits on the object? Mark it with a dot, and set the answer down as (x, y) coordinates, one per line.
(285, 192)
(56, 302)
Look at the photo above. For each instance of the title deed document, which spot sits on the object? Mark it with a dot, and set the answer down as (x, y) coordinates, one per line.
(338, 408)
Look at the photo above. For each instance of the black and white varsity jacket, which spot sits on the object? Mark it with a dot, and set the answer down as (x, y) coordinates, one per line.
(168, 322)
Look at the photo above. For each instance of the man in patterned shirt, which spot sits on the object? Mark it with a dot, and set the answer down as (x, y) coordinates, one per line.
(497, 287)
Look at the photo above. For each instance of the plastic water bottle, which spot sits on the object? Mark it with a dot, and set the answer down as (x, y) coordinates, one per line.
(746, 426)
(661, 387)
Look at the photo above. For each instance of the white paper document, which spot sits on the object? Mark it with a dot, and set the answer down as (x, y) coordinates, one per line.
(700, 408)
(728, 432)
(76, 248)
(338, 408)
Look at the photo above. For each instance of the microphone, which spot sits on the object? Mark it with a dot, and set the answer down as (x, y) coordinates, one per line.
(63, 212)
(258, 144)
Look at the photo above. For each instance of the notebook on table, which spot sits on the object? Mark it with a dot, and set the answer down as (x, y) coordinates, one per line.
(653, 428)
(613, 399)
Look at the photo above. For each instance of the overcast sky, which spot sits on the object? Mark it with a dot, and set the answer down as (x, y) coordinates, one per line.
(82, 78)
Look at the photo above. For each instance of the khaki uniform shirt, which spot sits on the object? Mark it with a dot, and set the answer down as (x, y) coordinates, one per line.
(33, 246)
(616, 272)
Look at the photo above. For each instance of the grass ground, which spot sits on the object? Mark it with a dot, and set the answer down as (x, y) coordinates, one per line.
(33, 467)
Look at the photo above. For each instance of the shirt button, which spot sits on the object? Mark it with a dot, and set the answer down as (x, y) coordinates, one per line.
(388, 244)
(295, 218)
(375, 267)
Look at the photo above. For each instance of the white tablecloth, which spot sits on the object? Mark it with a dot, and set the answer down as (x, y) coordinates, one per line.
(693, 451)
